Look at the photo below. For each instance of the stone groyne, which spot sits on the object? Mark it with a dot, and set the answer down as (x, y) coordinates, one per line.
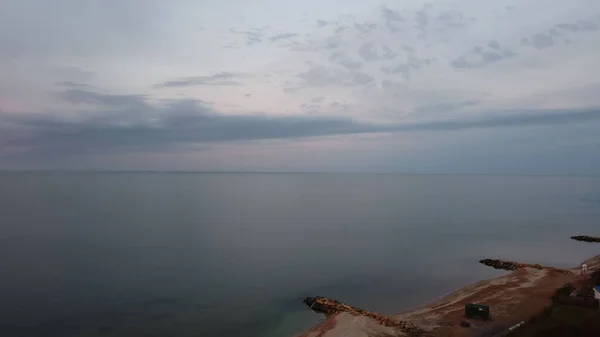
(511, 265)
(586, 238)
(331, 307)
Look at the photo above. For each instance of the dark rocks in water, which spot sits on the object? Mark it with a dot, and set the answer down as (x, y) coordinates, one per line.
(586, 238)
(331, 307)
(323, 305)
(511, 265)
(465, 324)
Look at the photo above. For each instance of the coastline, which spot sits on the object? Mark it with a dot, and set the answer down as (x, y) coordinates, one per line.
(513, 297)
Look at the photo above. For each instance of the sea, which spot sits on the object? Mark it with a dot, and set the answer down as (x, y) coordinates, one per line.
(117, 254)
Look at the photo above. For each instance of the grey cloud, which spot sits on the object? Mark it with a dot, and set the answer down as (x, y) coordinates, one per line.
(180, 122)
(352, 65)
(393, 28)
(322, 23)
(163, 126)
(405, 69)
(444, 16)
(508, 53)
(282, 36)
(368, 52)
(520, 119)
(390, 85)
(583, 25)
(391, 18)
(320, 76)
(318, 99)
(421, 20)
(568, 27)
(340, 29)
(329, 43)
(390, 15)
(360, 78)
(345, 60)
(541, 41)
(365, 28)
(544, 40)
(494, 45)
(489, 56)
(388, 53)
(110, 100)
(402, 69)
(222, 78)
(461, 63)
(333, 42)
(554, 32)
(480, 57)
(71, 84)
(310, 107)
(413, 62)
(408, 49)
(588, 25)
(446, 107)
(74, 73)
(339, 105)
(254, 36)
(456, 24)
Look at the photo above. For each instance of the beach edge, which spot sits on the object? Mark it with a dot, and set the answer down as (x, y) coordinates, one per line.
(513, 297)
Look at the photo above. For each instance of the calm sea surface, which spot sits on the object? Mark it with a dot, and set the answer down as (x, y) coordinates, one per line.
(208, 254)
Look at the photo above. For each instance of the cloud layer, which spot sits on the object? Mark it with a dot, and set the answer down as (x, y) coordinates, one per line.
(186, 121)
(88, 78)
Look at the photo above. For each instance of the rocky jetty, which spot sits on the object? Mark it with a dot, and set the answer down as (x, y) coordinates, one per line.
(511, 265)
(586, 238)
(331, 307)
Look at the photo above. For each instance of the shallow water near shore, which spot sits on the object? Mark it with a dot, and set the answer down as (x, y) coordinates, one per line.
(232, 254)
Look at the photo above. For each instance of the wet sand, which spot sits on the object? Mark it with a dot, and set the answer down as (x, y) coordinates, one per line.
(512, 298)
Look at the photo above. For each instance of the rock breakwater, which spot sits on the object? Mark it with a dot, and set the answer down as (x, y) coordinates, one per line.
(511, 265)
(586, 238)
(331, 307)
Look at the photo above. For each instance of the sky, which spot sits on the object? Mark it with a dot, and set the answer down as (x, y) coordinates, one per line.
(440, 86)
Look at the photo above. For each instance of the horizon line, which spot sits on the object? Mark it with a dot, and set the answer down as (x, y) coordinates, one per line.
(296, 172)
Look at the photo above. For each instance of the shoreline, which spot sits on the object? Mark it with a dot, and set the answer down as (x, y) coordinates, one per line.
(512, 297)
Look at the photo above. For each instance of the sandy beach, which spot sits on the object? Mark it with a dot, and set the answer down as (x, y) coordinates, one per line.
(512, 298)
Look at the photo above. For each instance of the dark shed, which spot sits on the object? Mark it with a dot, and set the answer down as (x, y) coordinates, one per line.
(477, 310)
